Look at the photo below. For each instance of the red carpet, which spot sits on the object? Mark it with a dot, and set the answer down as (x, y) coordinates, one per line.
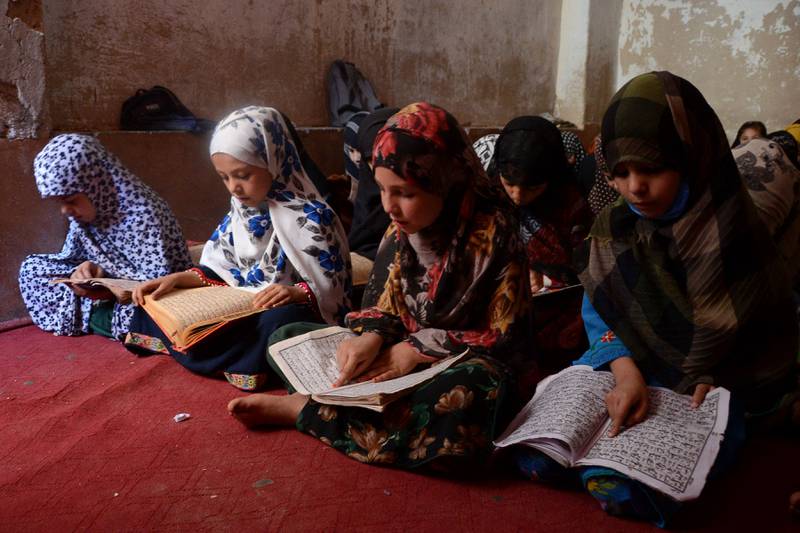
(88, 442)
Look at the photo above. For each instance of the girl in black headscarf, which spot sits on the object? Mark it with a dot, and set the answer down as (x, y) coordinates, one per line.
(530, 162)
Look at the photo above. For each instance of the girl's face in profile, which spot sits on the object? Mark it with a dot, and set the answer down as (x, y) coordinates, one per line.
(649, 189)
(521, 195)
(409, 206)
(247, 183)
(77, 207)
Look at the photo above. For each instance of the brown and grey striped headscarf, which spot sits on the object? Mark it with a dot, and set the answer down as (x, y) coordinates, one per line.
(704, 297)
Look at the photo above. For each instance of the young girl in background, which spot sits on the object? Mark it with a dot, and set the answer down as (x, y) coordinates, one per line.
(448, 276)
(118, 228)
(530, 163)
(684, 287)
(280, 240)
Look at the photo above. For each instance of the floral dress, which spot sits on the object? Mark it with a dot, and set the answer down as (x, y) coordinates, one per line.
(459, 287)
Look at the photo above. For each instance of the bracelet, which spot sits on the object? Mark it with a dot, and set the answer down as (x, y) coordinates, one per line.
(203, 279)
(306, 290)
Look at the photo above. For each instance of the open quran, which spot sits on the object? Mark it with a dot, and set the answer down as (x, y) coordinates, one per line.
(187, 316)
(309, 363)
(671, 451)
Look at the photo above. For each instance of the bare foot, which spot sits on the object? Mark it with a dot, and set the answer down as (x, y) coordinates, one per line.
(265, 409)
(794, 504)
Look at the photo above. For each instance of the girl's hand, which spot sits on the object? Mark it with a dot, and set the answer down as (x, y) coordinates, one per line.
(700, 391)
(158, 287)
(87, 270)
(277, 295)
(395, 362)
(355, 355)
(537, 281)
(628, 401)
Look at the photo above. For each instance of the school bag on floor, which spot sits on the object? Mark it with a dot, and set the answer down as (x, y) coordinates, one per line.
(348, 92)
(159, 109)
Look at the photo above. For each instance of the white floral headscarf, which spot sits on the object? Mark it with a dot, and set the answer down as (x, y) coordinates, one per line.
(293, 235)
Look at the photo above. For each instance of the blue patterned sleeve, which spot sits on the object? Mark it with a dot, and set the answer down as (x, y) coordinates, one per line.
(604, 346)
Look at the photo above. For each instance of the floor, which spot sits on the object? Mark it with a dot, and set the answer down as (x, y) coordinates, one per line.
(89, 442)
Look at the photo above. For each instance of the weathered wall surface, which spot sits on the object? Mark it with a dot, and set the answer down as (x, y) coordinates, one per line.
(743, 55)
(23, 106)
(486, 61)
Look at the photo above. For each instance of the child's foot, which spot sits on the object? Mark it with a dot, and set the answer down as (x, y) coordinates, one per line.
(264, 409)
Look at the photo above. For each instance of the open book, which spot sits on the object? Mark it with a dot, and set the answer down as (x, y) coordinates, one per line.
(672, 450)
(187, 316)
(308, 361)
(120, 288)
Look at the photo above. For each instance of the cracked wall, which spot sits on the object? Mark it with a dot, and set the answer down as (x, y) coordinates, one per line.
(483, 60)
(23, 105)
(743, 55)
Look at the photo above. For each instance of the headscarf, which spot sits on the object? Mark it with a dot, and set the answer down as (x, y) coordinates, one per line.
(472, 290)
(573, 146)
(484, 148)
(774, 185)
(134, 234)
(703, 297)
(593, 178)
(293, 235)
(352, 161)
(794, 130)
(351, 143)
(530, 152)
(787, 143)
(369, 219)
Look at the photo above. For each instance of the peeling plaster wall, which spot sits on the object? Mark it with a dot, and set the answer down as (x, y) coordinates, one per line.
(484, 60)
(23, 107)
(743, 55)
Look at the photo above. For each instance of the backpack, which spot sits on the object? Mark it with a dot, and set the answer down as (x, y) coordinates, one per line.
(159, 109)
(348, 92)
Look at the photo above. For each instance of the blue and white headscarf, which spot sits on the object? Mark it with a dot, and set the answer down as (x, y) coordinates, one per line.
(134, 234)
(293, 235)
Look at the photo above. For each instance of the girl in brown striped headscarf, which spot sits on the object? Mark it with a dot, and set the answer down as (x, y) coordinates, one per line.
(684, 286)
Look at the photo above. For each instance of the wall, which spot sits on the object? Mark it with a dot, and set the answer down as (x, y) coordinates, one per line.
(23, 106)
(485, 61)
(743, 55)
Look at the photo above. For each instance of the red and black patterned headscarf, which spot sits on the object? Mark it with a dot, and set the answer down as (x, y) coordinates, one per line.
(472, 291)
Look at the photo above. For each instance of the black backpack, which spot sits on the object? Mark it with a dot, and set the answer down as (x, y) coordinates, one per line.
(348, 93)
(159, 109)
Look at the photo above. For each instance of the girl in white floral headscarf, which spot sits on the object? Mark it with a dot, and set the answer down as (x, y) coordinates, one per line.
(280, 240)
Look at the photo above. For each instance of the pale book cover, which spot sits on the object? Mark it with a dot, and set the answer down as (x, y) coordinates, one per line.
(672, 450)
(120, 288)
(309, 363)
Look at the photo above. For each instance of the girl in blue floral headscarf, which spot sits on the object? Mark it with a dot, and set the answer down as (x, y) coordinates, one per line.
(280, 240)
(118, 228)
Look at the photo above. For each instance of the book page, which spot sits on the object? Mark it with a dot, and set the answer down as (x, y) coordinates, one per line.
(202, 305)
(569, 406)
(309, 361)
(673, 449)
(390, 386)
